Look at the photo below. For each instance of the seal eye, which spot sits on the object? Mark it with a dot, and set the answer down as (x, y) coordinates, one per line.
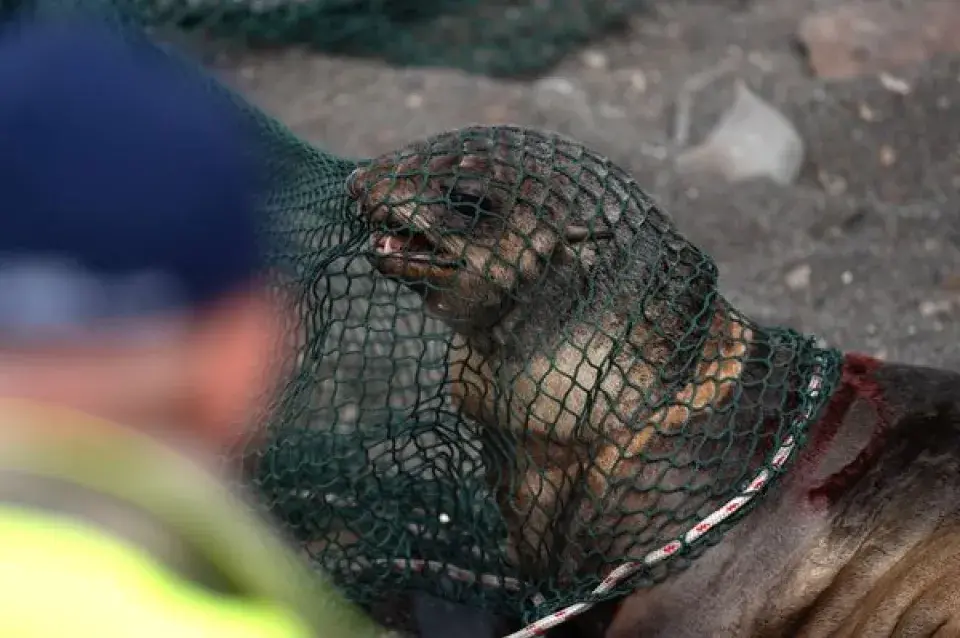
(470, 206)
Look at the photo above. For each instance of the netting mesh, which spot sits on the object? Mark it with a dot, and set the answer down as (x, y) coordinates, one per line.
(550, 384)
(513, 373)
(493, 37)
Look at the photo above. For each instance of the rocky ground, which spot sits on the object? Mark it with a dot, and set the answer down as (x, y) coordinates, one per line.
(864, 249)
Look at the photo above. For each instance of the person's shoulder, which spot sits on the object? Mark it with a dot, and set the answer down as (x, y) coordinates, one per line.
(56, 570)
(97, 479)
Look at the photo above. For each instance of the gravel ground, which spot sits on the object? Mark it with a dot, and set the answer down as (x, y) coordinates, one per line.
(863, 250)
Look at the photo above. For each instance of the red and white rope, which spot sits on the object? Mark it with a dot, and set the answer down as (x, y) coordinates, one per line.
(540, 627)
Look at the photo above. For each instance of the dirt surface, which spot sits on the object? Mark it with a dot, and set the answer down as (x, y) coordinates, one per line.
(864, 250)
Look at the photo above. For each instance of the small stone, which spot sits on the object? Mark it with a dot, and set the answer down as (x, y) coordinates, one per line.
(752, 139)
(895, 84)
(871, 329)
(761, 61)
(595, 59)
(846, 277)
(833, 184)
(655, 151)
(414, 101)
(799, 278)
(931, 308)
(866, 113)
(562, 86)
(857, 39)
(444, 518)
(611, 111)
(887, 156)
(638, 80)
(911, 330)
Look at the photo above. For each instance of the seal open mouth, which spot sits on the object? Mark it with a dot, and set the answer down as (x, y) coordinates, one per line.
(409, 245)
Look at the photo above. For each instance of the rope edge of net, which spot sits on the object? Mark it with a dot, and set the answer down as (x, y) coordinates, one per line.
(763, 477)
(779, 459)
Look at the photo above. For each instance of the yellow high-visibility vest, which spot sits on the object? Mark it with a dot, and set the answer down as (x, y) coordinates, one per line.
(61, 575)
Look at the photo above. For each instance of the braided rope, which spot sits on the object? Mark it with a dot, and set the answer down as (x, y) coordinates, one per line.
(540, 627)
(782, 455)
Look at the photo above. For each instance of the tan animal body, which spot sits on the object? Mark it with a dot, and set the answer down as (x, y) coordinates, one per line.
(623, 399)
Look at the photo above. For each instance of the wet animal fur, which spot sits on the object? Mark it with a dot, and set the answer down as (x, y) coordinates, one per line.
(860, 539)
(589, 336)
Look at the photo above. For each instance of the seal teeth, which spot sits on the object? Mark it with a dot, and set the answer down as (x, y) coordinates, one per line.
(387, 244)
(392, 244)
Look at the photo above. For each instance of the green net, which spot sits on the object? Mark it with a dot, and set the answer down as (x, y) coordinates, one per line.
(492, 37)
(563, 388)
(514, 375)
